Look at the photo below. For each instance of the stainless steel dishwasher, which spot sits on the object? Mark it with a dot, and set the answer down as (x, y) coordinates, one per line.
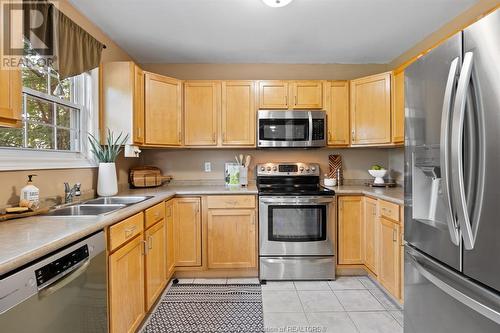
(62, 292)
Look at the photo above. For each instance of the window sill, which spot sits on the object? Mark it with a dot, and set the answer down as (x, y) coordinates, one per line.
(18, 159)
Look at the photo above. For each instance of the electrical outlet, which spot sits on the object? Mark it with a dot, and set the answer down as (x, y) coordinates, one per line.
(208, 167)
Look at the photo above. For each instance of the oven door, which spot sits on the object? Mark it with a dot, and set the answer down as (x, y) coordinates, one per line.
(291, 226)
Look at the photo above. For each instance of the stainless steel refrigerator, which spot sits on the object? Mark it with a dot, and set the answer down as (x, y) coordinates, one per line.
(452, 184)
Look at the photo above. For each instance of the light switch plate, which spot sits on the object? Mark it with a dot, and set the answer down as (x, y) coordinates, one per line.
(208, 167)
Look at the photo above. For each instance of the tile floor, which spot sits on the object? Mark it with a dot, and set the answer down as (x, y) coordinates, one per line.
(348, 304)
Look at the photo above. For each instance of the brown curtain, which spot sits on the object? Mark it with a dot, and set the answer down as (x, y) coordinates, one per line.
(77, 51)
(73, 49)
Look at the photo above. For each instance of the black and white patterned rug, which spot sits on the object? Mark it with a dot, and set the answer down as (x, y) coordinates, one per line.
(208, 308)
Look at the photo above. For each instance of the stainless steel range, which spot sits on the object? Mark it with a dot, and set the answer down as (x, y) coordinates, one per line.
(296, 223)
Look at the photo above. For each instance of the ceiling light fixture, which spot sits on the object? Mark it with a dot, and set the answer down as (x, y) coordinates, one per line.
(277, 3)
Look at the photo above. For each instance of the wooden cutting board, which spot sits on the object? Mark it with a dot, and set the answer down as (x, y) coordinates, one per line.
(10, 216)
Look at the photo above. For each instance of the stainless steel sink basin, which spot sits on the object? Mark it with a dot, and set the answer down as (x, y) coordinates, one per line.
(84, 210)
(116, 200)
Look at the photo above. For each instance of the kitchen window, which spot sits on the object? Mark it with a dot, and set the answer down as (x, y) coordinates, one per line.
(56, 116)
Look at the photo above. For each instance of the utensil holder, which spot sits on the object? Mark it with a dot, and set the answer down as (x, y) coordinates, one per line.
(243, 176)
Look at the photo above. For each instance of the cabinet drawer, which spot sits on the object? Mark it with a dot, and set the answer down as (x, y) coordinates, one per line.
(155, 214)
(231, 201)
(125, 230)
(389, 210)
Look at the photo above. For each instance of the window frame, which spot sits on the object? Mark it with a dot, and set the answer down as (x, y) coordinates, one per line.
(86, 100)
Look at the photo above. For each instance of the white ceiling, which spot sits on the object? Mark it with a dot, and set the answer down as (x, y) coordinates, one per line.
(247, 31)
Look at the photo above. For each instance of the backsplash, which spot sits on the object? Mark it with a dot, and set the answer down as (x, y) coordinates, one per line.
(396, 164)
(188, 164)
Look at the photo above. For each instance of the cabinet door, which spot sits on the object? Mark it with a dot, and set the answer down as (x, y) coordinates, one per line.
(273, 95)
(389, 269)
(231, 238)
(398, 107)
(351, 231)
(337, 110)
(238, 113)
(163, 113)
(187, 229)
(10, 98)
(371, 234)
(126, 287)
(138, 132)
(155, 262)
(169, 226)
(306, 94)
(201, 109)
(371, 110)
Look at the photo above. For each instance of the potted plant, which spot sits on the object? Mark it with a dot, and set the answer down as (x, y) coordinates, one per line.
(107, 184)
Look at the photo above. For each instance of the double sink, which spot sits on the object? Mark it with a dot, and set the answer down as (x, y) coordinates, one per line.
(99, 206)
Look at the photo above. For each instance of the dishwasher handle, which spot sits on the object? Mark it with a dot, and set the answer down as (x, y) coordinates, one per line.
(78, 270)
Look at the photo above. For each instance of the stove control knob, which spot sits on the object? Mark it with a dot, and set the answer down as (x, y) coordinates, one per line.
(313, 169)
(301, 168)
(262, 168)
(307, 169)
(275, 168)
(268, 168)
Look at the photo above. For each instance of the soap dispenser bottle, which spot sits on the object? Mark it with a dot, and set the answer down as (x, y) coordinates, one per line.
(30, 195)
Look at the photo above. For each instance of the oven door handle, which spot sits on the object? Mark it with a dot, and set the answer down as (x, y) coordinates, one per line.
(288, 200)
(310, 127)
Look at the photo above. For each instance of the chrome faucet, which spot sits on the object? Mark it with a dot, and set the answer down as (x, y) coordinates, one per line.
(70, 192)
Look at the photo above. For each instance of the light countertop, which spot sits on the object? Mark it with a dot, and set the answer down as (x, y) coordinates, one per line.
(24, 240)
(27, 239)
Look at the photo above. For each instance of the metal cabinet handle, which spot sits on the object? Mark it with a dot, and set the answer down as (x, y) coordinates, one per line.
(144, 247)
(150, 242)
(394, 235)
(353, 136)
(457, 168)
(445, 149)
(213, 136)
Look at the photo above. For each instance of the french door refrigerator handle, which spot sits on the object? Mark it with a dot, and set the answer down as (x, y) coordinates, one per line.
(426, 271)
(445, 148)
(457, 167)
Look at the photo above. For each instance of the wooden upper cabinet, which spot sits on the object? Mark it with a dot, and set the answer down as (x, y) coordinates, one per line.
(163, 111)
(398, 107)
(336, 103)
(126, 287)
(10, 98)
(201, 110)
(306, 95)
(351, 230)
(156, 261)
(187, 229)
(389, 268)
(122, 100)
(273, 94)
(231, 238)
(238, 113)
(138, 116)
(371, 110)
(371, 234)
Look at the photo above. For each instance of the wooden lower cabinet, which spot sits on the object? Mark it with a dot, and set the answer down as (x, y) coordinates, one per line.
(169, 233)
(126, 287)
(156, 278)
(389, 270)
(187, 228)
(231, 238)
(371, 234)
(350, 230)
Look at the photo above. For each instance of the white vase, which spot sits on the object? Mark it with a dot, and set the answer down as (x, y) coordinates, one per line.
(107, 184)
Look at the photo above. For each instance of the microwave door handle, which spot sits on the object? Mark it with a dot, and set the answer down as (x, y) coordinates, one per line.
(457, 167)
(310, 127)
(445, 149)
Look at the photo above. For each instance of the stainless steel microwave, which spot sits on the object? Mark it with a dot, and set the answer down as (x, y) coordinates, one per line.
(301, 129)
